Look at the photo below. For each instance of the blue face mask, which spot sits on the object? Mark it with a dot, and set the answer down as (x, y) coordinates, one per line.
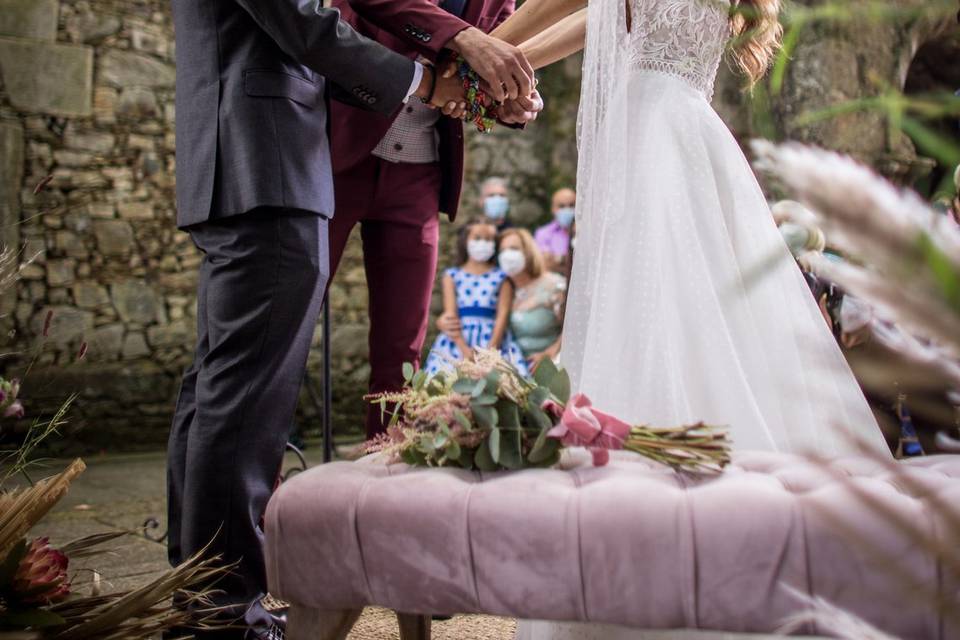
(496, 207)
(565, 216)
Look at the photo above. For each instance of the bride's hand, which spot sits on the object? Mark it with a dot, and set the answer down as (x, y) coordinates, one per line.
(522, 110)
(502, 66)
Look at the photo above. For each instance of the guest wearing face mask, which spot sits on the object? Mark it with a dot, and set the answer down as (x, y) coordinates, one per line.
(536, 319)
(477, 297)
(495, 202)
(553, 238)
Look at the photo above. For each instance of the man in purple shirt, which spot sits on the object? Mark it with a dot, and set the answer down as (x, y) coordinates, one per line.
(553, 238)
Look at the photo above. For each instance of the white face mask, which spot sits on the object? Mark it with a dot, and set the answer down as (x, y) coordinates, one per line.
(512, 261)
(481, 250)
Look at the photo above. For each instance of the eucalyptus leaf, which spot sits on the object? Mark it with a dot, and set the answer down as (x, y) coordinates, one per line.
(551, 460)
(539, 395)
(493, 442)
(478, 388)
(545, 372)
(407, 371)
(411, 456)
(483, 460)
(486, 399)
(453, 450)
(509, 415)
(485, 416)
(464, 386)
(543, 449)
(560, 386)
(538, 417)
(419, 378)
(511, 455)
(463, 420)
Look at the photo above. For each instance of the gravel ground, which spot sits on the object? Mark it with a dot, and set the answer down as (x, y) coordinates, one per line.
(120, 492)
(380, 624)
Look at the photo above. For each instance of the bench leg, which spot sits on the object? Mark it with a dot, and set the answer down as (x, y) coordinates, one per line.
(304, 623)
(413, 627)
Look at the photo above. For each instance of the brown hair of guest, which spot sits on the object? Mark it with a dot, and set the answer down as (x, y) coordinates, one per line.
(463, 237)
(531, 252)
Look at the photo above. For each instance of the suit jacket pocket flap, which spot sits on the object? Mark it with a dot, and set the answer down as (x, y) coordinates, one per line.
(277, 84)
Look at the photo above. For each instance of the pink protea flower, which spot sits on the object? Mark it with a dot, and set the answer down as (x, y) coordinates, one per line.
(41, 577)
(581, 425)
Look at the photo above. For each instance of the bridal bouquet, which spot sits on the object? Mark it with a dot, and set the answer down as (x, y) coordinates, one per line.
(485, 415)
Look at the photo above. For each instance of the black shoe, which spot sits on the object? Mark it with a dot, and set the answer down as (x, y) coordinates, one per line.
(275, 632)
(265, 624)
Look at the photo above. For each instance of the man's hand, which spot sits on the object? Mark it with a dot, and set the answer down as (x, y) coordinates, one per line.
(446, 91)
(522, 110)
(502, 66)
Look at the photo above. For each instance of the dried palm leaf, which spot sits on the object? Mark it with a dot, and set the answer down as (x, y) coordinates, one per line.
(21, 509)
(147, 610)
(91, 545)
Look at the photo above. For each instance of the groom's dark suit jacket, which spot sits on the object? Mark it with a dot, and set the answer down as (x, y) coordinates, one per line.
(412, 28)
(251, 108)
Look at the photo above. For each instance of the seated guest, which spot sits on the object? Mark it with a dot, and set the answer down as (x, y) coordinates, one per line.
(495, 202)
(536, 319)
(477, 301)
(553, 238)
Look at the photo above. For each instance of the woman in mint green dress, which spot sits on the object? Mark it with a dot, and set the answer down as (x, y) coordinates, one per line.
(536, 318)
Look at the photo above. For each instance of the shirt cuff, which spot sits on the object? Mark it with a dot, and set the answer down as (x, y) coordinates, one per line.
(417, 78)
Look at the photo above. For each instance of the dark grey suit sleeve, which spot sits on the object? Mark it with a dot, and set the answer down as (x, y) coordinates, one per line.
(316, 37)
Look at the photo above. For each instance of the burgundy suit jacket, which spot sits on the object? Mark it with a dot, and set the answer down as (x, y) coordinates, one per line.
(411, 28)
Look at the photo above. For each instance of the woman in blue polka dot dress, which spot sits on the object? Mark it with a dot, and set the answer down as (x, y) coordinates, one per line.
(480, 295)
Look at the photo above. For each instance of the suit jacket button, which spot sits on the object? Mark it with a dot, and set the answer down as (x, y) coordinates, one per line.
(371, 99)
(409, 109)
(398, 147)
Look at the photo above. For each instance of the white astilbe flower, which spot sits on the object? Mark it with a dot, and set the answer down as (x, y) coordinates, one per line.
(891, 231)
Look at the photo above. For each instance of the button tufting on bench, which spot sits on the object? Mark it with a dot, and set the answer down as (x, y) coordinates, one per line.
(632, 543)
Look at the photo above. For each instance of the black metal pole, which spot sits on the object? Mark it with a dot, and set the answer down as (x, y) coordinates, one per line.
(327, 388)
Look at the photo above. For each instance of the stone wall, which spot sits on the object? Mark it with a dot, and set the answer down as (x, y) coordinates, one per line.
(86, 96)
(87, 99)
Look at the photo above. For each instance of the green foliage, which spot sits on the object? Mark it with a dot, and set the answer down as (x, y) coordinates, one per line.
(477, 418)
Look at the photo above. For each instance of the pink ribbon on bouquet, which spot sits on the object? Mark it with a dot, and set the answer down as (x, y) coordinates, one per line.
(581, 425)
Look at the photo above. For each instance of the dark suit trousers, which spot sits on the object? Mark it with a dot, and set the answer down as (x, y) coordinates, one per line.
(396, 205)
(260, 291)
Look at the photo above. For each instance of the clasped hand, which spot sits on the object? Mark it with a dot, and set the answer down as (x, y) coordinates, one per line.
(450, 97)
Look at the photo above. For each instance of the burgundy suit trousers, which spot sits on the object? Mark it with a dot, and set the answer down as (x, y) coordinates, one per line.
(397, 207)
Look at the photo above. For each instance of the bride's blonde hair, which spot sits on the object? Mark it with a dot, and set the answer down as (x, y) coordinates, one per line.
(757, 32)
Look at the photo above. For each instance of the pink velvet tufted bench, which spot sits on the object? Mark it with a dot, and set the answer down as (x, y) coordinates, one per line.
(632, 544)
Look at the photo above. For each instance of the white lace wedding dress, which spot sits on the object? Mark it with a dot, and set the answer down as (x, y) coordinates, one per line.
(684, 303)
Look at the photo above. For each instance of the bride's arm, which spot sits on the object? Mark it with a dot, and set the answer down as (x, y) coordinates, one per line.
(534, 17)
(559, 41)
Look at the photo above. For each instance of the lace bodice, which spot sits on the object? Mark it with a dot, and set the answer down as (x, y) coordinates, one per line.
(685, 38)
